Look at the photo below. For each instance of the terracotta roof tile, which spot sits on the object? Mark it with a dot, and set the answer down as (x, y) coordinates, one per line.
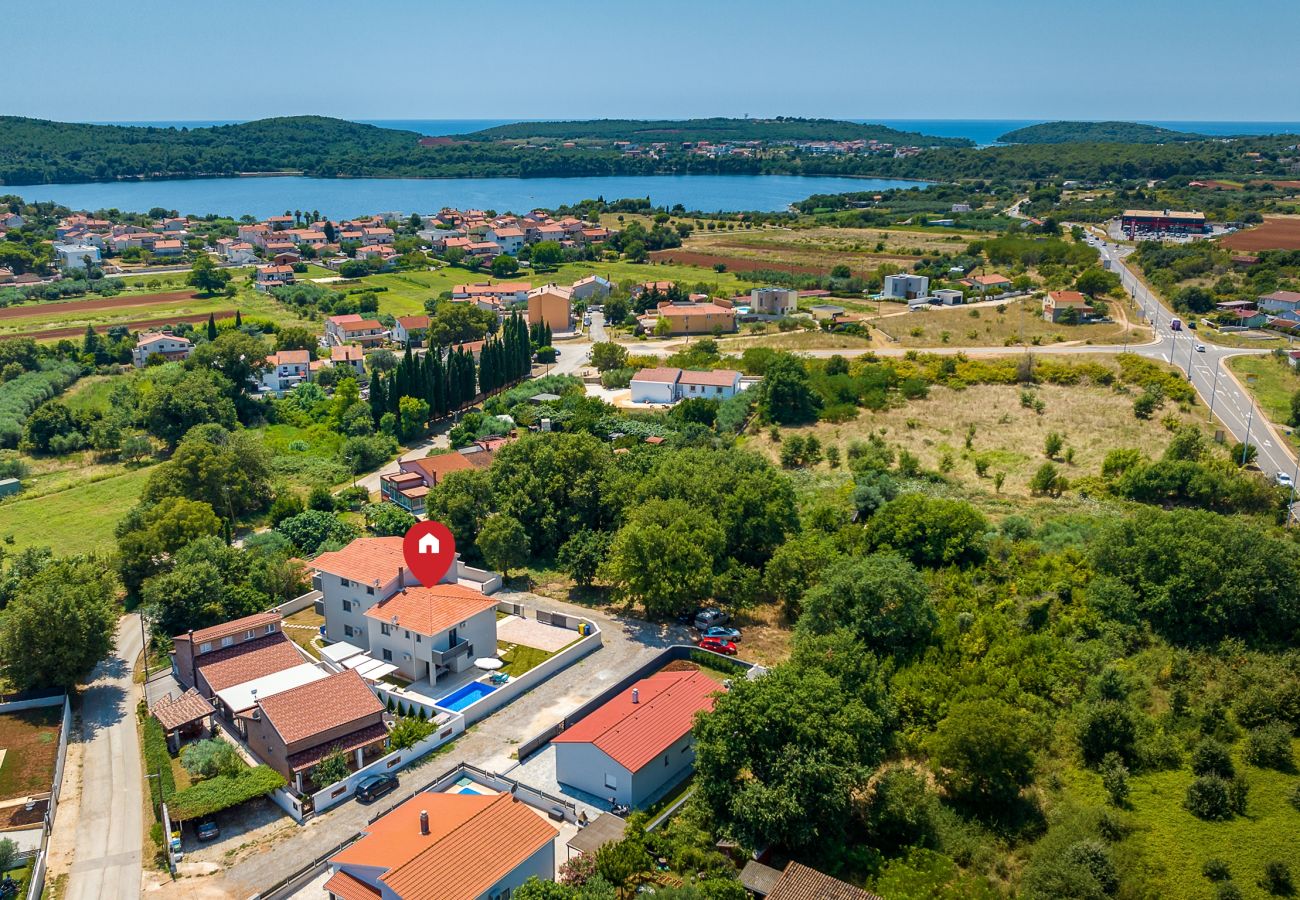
(714, 377)
(345, 887)
(473, 842)
(302, 712)
(238, 663)
(188, 707)
(661, 375)
(366, 560)
(798, 882)
(431, 610)
(633, 734)
(225, 629)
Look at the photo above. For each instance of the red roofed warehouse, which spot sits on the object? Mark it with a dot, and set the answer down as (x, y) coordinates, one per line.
(640, 742)
(446, 847)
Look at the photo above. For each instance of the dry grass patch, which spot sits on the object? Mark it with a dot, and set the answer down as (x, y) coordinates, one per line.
(1009, 437)
(30, 739)
(1015, 321)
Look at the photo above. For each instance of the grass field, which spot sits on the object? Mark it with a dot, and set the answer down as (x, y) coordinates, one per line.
(989, 327)
(1008, 437)
(407, 291)
(71, 512)
(1274, 383)
(91, 394)
(1174, 844)
(30, 739)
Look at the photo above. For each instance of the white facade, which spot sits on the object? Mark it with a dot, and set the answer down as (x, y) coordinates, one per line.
(588, 768)
(591, 287)
(74, 256)
(165, 345)
(906, 287)
(949, 297)
(656, 389)
(666, 385)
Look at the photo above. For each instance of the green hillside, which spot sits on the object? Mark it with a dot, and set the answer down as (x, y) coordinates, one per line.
(1097, 133)
(715, 129)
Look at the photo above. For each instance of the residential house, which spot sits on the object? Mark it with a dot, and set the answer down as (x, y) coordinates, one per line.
(373, 236)
(593, 287)
(986, 283)
(373, 601)
(410, 485)
(377, 251)
(661, 287)
(6, 275)
(171, 347)
(448, 846)
(1057, 304)
(508, 237)
(284, 370)
(353, 329)
(826, 312)
(273, 276)
(949, 297)
(773, 301)
(75, 256)
(1280, 301)
(168, 249)
(639, 743)
(293, 730)
(797, 882)
(501, 292)
(906, 287)
(552, 306)
(11, 221)
(349, 355)
(669, 385)
(411, 330)
(204, 656)
(697, 318)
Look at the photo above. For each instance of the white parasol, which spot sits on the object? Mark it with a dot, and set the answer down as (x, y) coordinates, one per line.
(488, 663)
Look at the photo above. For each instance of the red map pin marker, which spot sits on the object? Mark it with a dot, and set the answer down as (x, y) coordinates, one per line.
(430, 550)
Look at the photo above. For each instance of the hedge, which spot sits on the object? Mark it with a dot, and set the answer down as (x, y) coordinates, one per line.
(157, 760)
(222, 792)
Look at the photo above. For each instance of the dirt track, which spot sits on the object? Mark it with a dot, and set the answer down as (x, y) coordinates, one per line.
(74, 306)
(733, 263)
(42, 334)
(1275, 234)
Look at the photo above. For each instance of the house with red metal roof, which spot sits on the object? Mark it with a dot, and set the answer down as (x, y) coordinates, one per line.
(446, 847)
(639, 743)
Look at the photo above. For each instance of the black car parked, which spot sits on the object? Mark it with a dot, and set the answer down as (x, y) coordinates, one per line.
(373, 787)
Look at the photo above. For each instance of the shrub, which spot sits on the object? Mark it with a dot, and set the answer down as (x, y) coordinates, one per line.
(1269, 747)
(1277, 879)
(1216, 869)
(409, 731)
(210, 758)
(1226, 890)
(1114, 778)
(1208, 797)
(20, 396)
(1212, 758)
(215, 794)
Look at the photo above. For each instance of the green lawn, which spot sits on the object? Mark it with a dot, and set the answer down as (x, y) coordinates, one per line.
(407, 291)
(90, 394)
(1275, 382)
(521, 658)
(79, 518)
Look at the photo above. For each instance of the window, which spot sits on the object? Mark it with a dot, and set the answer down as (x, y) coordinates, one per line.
(347, 630)
(665, 759)
(249, 634)
(347, 606)
(270, 629)
(385, 628)
(388, 655)
(370, 591)
(408, 633)
(205, 646)
(417, 639)
(227, 641)
(611, 782)
(345, 582)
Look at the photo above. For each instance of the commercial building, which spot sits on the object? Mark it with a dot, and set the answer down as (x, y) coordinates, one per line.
(1162, 221)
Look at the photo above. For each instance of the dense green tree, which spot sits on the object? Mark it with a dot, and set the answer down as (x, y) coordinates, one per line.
(881, 597)
(982, 753)
(503, 543)
(784, 396)
(314, 530)
(148, 536)
(582, 555)
(929, 531)
(664, 557)
(174, 400)
(229, 471)
(59, 624)
(387, 519)
(205, 277)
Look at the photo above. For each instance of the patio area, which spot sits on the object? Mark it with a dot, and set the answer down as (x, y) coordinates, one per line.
(531, 633)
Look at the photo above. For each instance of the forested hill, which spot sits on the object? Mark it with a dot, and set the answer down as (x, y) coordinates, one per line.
(1097, 133)
(35, 151)
(716, 129)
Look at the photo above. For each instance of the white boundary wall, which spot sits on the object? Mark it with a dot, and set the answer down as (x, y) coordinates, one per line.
(339, 791)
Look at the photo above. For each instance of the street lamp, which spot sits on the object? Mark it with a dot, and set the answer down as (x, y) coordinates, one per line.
(1214, 391)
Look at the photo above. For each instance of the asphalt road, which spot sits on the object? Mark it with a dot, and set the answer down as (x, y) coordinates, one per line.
(109, 828)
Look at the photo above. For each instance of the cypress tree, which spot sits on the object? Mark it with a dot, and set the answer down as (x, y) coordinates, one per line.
(212, 327)
(378, 402)
(239, 320)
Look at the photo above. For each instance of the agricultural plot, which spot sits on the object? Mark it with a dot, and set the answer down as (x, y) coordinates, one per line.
(1277, 233)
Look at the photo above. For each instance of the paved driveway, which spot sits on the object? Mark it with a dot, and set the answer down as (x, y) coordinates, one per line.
(490, 744)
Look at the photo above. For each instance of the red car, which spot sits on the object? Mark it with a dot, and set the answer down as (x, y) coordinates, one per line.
(717, 645)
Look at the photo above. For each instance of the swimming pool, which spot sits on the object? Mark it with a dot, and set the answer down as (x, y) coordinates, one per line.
(468, 786)
(463, 697)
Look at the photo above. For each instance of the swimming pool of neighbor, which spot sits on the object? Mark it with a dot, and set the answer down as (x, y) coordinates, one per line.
(468, 786)
(464, 696)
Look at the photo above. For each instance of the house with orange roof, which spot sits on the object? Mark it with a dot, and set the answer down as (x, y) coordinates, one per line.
(284, 370)
(373, 601)
(353, 329)
(219, 644)
(410, 484)
(293, 730)
(446, 846)
(273, 276)
(410, 330)
(551, 305)
(1057, 304)
(639, 743)
(510, 238)
(695, 318)
(985, 283)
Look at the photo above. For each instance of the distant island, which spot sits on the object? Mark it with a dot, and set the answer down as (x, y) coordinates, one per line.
(716, 130)
(1097, 133)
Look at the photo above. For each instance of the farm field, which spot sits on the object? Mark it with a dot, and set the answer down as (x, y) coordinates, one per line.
(72, 511)
(1277, 233)
(1008, 437)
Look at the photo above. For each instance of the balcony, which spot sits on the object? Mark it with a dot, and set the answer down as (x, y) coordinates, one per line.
(444, 657)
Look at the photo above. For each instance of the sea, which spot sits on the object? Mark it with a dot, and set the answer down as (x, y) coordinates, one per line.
(340, 198)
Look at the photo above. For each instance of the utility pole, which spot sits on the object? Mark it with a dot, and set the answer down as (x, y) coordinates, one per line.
(1214, 391)
(1245, 446)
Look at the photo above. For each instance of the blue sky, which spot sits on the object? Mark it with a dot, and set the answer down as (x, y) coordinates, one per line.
(380, 59)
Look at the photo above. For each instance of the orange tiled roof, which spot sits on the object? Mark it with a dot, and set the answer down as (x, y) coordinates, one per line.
(346, 887)
(798, 882)
(238, 663)
(318, 706)
(473, 842)
(431, 610)
(235, 626)
(188, 707)
(367, 560)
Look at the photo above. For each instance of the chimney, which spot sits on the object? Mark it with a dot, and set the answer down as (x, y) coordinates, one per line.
(636, 695)
(424, 822)
(401, 577)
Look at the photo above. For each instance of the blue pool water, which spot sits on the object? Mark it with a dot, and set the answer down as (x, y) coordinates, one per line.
(463, 697)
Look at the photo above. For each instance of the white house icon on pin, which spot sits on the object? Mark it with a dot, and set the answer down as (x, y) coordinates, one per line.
(428, 544)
